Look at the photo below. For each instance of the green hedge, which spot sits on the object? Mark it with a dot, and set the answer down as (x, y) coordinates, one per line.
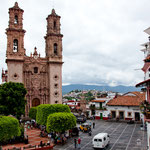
(32, 112)
(9, 128)
(60, 122)
(44, 110)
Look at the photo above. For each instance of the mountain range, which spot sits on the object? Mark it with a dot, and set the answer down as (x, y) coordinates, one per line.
(120, 88)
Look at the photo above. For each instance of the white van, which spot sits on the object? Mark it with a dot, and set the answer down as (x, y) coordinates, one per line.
(101, 140)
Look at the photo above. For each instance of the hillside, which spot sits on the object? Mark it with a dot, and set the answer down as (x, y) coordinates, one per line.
(120, 88)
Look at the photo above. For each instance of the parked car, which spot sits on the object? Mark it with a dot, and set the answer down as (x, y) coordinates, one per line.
(85, 127)
(101, 140)
(81, 119)
(75, 131)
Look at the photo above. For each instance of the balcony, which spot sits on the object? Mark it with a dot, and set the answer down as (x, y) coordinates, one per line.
(145, 109)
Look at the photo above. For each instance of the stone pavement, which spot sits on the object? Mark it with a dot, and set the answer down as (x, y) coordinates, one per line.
(123, 136)
(33, 137)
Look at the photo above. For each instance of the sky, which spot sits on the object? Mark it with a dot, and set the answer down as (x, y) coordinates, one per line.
(102, 38)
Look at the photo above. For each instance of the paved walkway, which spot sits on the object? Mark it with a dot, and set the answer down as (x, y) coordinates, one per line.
(123, 136)
(33, 137)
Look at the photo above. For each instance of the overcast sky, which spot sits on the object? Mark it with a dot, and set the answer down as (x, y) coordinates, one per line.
(102, 38)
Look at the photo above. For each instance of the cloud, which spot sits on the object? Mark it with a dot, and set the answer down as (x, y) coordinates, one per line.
(101, 43)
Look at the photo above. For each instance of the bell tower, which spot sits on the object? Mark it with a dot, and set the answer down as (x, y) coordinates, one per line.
(15, 44)
(53, 38)
(53, 50)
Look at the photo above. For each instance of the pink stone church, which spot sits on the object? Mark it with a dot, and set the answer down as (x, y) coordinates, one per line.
(42, 76)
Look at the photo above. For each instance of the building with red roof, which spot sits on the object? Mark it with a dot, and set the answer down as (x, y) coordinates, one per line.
(127, 106)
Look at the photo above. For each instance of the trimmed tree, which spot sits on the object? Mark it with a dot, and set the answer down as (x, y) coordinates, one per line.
(60, 122)
(12, 99)
(32, 112)
(9, 128)
(44, 110)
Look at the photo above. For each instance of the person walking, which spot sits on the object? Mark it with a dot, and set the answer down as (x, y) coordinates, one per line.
(90, 124)
(93, 125)
(79, 143)
(75, 143)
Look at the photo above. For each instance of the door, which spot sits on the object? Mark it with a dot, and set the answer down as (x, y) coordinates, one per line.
(121, 115)
(101, 116)
(137, 116)
(35, 102)
(113, 114)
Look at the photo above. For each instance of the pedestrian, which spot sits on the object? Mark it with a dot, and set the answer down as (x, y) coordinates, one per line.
(79, 143)
(49, 136)
(93, 125)
(75, 143)
(48, 143)
(90, 124)
(41, 143)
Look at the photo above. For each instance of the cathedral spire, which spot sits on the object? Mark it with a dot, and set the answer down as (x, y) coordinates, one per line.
(15, 33)
(54, 37)
(53, 12)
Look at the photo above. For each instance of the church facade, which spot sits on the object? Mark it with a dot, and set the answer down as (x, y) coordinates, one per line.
(41, 76)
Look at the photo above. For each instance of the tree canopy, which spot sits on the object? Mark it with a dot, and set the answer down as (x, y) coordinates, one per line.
(12, 99)
(60, 122)
(44, 110)
(9, 128)
(32, 112)
(89, 96)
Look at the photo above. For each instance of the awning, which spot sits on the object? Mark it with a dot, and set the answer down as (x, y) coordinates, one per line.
(143, 83)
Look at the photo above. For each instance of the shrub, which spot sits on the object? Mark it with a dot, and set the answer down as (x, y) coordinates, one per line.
(61, 108)
(44, 110)
(60, 122)
(9, 128)
(32, 112)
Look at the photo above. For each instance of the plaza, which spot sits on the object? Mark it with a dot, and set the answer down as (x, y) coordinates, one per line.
(123, 136)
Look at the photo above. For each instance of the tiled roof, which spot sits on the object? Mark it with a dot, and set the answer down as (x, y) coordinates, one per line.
(98, 101)
(127, 100)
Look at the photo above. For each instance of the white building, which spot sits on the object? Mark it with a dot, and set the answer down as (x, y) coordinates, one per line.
(99, 106)
(126, 107)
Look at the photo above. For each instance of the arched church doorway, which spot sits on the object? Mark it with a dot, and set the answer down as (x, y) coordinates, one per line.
(35, 102)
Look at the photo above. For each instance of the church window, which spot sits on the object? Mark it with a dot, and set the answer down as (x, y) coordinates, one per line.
(54, 25)
(56, 102)
(56, 85)
(56, 94)
(55, 49)
(35, 69)
(56, 77)
(15, 76)
(16, 19)
(15, 45)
